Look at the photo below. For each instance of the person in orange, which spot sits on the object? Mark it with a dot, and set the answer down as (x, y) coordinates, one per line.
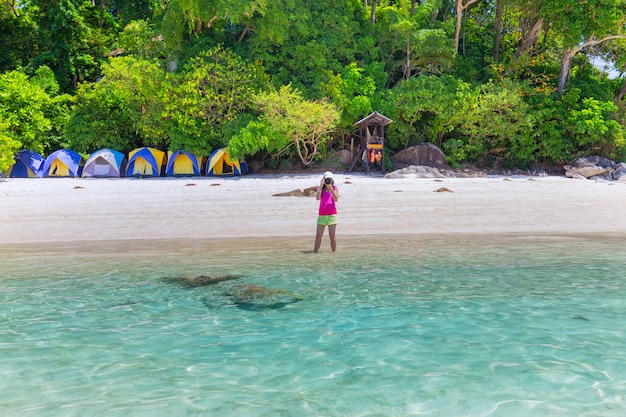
(327, 194)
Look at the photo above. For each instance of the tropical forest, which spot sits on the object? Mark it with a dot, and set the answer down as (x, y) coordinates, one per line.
(492, 83)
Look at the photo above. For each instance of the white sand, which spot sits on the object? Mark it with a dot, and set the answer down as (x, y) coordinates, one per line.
(64, 209)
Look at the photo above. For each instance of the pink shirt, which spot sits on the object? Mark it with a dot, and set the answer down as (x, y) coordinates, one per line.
(327, 204)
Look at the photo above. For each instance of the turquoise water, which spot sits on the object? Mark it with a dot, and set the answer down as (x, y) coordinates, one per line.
(388, 326)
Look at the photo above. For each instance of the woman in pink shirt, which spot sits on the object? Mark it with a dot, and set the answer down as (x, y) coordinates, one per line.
(327, 194)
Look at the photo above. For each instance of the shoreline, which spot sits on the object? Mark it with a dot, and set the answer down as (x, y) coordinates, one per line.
(87, 210)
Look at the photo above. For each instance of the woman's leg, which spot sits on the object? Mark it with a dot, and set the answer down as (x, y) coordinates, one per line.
(331, 234)
(318, 237)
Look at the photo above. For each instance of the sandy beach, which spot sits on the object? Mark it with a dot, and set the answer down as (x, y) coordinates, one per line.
(66, 209)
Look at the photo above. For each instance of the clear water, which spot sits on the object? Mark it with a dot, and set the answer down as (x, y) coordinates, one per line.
(388, 326)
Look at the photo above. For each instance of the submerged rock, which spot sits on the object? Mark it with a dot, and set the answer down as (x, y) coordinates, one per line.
(258, 297)
(200, 280)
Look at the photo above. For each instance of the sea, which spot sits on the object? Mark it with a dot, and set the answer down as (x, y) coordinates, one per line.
(389, 325)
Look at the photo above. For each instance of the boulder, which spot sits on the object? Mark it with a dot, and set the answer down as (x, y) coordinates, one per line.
(424, 154)
(619, 172)
(589, 166)
(345, 157)
(416, 171)
(307, 192)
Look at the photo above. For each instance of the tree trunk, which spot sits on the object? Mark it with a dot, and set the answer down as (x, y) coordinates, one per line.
(566, 65)
(621, 94)
(568, 54)
(530, 38)
(373, 12)
(457, 32)
(497, 30)
(459, 20)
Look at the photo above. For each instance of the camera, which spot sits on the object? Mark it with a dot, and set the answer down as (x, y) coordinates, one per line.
(328, 180)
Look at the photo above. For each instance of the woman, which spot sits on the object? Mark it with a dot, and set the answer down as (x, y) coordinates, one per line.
(327, 194)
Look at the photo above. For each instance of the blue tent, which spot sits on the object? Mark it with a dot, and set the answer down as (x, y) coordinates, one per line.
(146, 162)
(105, 163)
(63, 163)
(181, 163)
(27, 164)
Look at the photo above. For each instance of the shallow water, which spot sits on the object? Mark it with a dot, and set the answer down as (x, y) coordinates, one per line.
(388, 326)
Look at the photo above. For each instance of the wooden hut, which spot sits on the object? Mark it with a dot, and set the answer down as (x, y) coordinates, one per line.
(371, 151)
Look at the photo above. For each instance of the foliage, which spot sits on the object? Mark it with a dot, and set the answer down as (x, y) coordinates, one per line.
(497, 130)
(8, 145)
(32, 113)
(288, 126)
(352, 92)
(190, 73)
(121, 111)
(426, 108)
(211, 90)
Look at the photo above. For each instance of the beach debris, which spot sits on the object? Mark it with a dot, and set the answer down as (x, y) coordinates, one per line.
(347, 182)
(215, 184)
(443, 190)
(307, 192)
(78, 187)
(256, 297)
(191, 184)
(199, 280)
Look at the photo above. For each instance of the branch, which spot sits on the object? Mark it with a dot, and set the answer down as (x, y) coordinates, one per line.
(594, 42)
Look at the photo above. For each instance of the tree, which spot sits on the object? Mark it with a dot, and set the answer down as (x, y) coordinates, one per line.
(460, 8)
(498, 130)
(352, 92)
(122, 111)
(32, 113)
(61, 33)
(8, 145)
(410, 41)
(16, 36)
(211, 90)
(583, 25)
(287, 124)
(426, 108)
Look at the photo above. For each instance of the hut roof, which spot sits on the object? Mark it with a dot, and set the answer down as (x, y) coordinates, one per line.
(374, 118)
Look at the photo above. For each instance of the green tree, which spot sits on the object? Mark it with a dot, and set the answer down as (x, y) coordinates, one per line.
(212, 89)
(16, 36)
(31, 109)
(288, 125)
(426, 108)
(121, 111)
(8, 145)
(498, 130)
(352, 91)
(62, 38)
(408, 36)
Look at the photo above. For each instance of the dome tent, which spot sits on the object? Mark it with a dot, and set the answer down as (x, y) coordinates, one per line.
(63, 163)
(146, 162)
(27, 164)
(220, 164)
(105, 163)
(182, 163)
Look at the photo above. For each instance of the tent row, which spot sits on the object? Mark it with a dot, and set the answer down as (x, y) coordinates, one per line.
(107, 163)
